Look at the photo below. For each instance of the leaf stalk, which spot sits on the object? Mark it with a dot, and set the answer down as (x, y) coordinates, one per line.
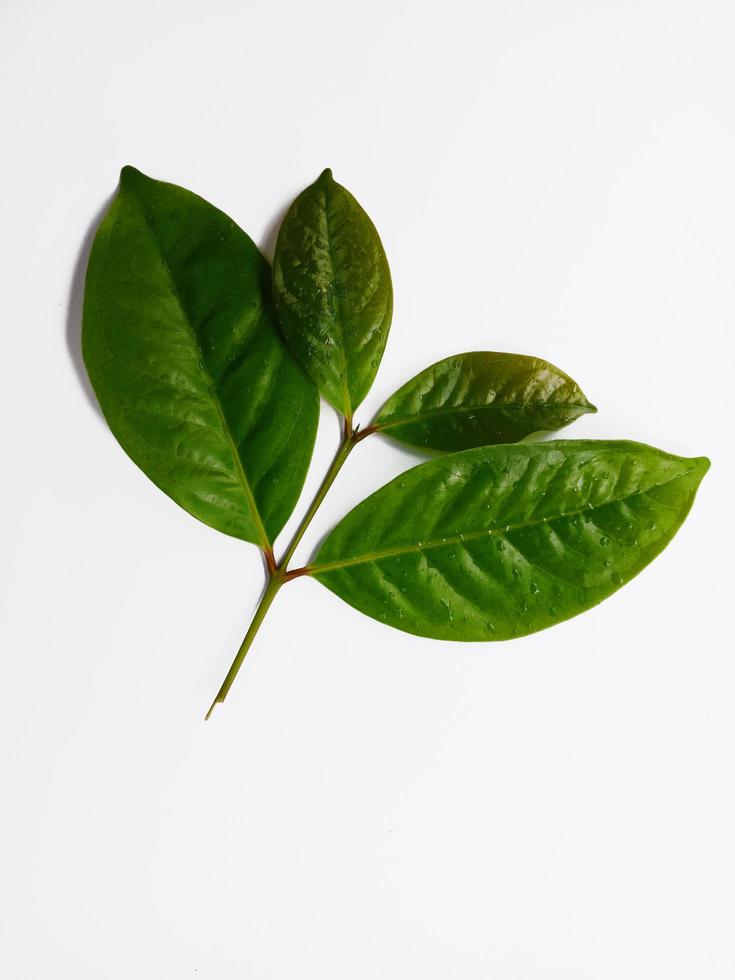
(274, 584)
(349, 441)
(278, 574)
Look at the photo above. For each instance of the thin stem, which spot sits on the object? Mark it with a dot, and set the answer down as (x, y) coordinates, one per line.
(297, 573)
(364, 433)
(278, 574)
(349, 441)
(270, 561)
(274, 584)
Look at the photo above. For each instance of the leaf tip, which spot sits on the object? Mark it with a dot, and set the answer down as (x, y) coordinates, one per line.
(326, 174)
(129, 174)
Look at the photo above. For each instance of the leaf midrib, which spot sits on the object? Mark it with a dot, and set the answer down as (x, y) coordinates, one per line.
(347, 401)
(475, 535)
(457, 409)
(214, 395)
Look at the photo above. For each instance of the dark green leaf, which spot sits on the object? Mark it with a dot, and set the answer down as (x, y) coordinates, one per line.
(182, 349)
(333, 291)
(498, 542)
(480, 399)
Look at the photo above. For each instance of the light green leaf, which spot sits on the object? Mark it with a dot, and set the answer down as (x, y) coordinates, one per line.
(497, 542)
(480, 399)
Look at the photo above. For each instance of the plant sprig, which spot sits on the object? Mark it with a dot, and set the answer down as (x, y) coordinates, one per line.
(209, 367)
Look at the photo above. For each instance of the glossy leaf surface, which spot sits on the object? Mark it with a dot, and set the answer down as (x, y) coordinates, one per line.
(184, 354)
(502, 541)
(333, 291)
(481, 399)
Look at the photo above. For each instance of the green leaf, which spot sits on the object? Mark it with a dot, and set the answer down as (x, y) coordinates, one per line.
(480, 399)
(333, 291)
(182, 349)
(498, 542)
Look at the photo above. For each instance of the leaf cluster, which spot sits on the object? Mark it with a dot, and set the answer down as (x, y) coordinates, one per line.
(208, 366)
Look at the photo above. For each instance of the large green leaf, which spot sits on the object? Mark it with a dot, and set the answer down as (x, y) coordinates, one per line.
(333, 291)
(480, 399)
(184, 354)
(498, 542)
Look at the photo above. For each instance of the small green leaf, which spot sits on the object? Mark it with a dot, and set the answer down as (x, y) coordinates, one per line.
(184, 354)
(480, 399)
(333, 291)
(498, 542)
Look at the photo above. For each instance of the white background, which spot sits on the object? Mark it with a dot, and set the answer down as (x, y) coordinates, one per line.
(554, 178)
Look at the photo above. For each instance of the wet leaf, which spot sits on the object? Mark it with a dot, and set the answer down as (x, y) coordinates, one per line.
(333, 291)
(480, 399)
(497, 542)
